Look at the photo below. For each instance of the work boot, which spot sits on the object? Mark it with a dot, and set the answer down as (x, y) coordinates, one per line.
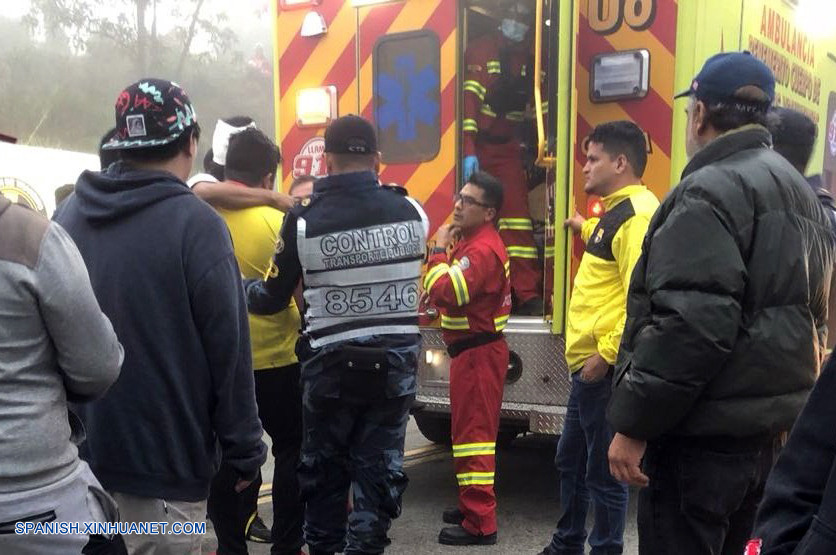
(258, 532)
(452, 516)
(456, 535)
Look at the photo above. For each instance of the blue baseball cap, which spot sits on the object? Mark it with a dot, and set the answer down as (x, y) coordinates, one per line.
(723, 74)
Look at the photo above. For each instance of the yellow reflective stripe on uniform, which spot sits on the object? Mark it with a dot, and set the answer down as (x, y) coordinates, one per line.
(487, 110)
(459, 285)
(476, 88)
(433, 275)
(479, 94)
(515, 116)
(473, 449)
(494, 66)
(478, 444)
(521, 252)
(516, 223)
(549, 252)
(507, 268)
(475, 478)
(454, 322)
(500, 322)
(470, 125)
(545, 106)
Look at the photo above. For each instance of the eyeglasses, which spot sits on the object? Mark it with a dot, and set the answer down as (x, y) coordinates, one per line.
(468, 200)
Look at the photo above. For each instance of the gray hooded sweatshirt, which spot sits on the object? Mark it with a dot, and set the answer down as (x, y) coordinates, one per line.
(55, 344)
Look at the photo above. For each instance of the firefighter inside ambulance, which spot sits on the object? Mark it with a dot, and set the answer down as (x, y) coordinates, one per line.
(497, 124)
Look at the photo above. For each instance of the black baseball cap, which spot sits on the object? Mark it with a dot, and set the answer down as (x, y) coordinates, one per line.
(723, 74)
(151, 112)
(350, 135)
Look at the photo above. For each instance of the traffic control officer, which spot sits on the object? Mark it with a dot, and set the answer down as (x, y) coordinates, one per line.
(498, 87)
(471, 288)
(360, 270)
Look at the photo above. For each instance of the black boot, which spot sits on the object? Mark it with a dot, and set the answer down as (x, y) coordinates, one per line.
(452, 516)
(456, 535)
(315, 551)
(258, 532)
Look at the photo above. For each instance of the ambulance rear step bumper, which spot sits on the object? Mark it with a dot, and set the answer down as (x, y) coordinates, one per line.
(538, 384)
(537, 419)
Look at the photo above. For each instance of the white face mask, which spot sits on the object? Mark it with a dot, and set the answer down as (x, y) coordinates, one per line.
(513, 30)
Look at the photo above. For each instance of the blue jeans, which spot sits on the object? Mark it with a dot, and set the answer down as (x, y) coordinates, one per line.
(581, 459)
(358, 445)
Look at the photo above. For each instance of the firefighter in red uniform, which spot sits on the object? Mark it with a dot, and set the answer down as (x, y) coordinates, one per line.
(498, 88)
(472, 290)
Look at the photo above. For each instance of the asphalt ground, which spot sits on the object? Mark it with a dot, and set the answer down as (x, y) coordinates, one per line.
(527, 500)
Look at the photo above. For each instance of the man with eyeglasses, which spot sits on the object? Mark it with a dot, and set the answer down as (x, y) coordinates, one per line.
(471, 288)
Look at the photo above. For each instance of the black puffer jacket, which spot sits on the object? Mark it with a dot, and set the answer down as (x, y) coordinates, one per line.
(727, 307)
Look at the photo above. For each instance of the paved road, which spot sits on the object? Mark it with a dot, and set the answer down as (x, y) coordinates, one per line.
(527, 495)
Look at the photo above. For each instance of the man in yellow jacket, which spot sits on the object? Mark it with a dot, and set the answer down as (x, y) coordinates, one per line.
(252, 162)
(616, 158)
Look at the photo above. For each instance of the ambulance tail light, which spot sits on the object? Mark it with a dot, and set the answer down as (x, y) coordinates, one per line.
(436, 366)
(434, 356)
(594, 207)
(316, 107)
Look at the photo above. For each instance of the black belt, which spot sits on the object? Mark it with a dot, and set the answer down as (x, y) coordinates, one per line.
(477, 340)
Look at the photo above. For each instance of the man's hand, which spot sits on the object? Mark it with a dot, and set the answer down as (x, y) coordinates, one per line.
(281, 201)
(242, 484)
(594, 369)
(575, 222)
(625, 460)
(446, 235)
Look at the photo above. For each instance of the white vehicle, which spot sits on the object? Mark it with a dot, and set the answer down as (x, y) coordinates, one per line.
(30, 174)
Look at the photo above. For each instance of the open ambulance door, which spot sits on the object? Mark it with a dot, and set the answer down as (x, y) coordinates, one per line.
(550, 41)
(391, 61)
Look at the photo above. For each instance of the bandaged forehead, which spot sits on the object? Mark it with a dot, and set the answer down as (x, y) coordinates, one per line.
(220, 139)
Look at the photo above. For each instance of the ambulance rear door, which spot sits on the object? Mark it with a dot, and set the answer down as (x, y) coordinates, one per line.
(391, 61)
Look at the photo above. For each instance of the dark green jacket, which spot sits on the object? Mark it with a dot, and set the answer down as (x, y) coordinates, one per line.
(727, 307)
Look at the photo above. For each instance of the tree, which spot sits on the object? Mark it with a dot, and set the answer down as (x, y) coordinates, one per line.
(133, 26)
(60, 78)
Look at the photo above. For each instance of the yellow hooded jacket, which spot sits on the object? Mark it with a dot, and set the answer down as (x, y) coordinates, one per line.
(598, 307)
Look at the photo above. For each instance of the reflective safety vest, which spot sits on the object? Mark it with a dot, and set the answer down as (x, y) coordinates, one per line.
(360, 268)
(472, 287)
